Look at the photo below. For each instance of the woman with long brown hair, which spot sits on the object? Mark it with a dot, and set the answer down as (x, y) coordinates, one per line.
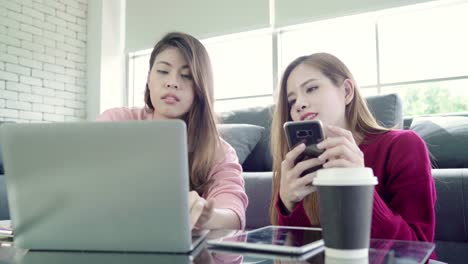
(180, 85)
(321, 87)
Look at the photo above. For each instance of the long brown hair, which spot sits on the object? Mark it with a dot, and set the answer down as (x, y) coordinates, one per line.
(203, 137)
(358, 116)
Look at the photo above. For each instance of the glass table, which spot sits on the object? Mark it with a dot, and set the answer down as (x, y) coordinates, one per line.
(381, 252)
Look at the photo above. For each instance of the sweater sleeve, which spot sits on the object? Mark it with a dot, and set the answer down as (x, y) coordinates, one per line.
(114, 114)
(227, 190)
(408, 210)
(123, 114)
(107, 115)
(297, 217)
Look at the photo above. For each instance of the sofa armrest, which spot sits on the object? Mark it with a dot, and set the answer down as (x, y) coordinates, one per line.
(451, 205)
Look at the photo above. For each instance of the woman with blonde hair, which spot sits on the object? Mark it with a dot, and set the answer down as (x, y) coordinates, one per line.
(321, 87)
(180, 86)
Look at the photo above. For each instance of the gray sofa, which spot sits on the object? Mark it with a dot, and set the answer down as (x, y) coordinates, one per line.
(447, 140)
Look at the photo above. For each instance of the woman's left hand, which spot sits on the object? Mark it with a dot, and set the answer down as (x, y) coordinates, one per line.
(341, 149)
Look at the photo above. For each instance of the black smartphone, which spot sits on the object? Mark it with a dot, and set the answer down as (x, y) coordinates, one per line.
(309, 132)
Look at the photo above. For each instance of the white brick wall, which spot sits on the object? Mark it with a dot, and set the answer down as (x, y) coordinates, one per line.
(43, 60)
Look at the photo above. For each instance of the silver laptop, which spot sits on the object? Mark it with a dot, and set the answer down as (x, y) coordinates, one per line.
(119, 186)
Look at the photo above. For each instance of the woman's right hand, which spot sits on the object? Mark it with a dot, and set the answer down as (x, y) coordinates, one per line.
(294, 188)
(199, 208)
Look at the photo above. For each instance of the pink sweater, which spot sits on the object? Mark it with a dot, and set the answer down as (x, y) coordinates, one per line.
(405, 196)
(227, 190)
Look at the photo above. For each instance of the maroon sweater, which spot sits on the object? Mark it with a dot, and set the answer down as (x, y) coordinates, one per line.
(405, 196)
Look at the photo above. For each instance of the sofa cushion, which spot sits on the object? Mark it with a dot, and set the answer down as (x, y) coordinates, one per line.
(387, 110)
(241, 137)
(446, 138)
(260, 157)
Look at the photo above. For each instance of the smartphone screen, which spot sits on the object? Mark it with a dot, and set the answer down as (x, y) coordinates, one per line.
(310, 133)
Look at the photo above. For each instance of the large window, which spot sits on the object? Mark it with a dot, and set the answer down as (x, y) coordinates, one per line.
(352, 39)
(242, 70)
(423, 58)
(424, 44)
(418, 52)
(432, 97)
(138, 69)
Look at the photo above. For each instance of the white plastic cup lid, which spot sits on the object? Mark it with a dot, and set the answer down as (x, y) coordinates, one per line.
(345, 177)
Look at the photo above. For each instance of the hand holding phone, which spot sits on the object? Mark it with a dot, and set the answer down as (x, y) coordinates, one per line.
(310, 133)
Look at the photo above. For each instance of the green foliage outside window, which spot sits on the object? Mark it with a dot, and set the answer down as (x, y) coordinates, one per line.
(427, 99)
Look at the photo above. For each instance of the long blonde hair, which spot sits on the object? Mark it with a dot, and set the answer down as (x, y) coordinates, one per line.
(358, 116)
(203, 138)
